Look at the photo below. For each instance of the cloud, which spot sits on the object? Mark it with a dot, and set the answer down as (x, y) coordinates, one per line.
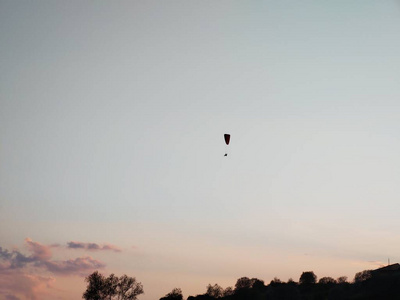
(75, 245)
(111, 247)
(14, 259)
(92, 246)
(20, 273)
(12, 297)
(74, 266)
(40, 251)
(41, 258)
(17, 283)
(5, 254)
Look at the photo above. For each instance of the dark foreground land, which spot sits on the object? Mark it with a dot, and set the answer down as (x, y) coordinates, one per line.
(380, 284)
(383, 283)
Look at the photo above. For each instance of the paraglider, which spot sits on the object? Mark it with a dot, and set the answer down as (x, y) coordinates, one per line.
(227, 138)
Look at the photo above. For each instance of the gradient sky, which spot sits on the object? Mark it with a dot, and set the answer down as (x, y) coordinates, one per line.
(112, 117)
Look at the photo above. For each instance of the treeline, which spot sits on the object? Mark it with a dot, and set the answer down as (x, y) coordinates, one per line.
(366, 285)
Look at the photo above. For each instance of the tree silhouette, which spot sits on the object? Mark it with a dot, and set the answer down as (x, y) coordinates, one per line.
(96, 289)
(242, 283)
(215, 291)
(362, 276)
(308, 278)
(276, 281)
(327, 280)
(342, 279)
(123, 288)
(228, 291)
(257, 283)
(175, 294)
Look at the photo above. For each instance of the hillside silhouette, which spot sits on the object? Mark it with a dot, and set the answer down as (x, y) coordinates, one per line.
(382, 283)
(379, 284)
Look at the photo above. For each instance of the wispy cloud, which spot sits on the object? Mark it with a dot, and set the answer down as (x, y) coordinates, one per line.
(93, 246)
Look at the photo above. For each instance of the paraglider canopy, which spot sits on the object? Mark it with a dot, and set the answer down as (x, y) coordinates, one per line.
(227, 138)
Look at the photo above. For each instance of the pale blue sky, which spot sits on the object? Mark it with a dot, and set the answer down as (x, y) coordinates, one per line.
(112, 117)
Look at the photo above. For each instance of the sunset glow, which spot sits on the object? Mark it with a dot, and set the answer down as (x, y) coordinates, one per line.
(112, 123)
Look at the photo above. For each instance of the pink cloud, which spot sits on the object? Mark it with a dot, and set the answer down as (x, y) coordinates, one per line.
(20, 273)
(40, 252)
(17, 283)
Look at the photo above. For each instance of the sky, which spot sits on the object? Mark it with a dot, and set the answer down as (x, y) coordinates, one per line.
(112, 116)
